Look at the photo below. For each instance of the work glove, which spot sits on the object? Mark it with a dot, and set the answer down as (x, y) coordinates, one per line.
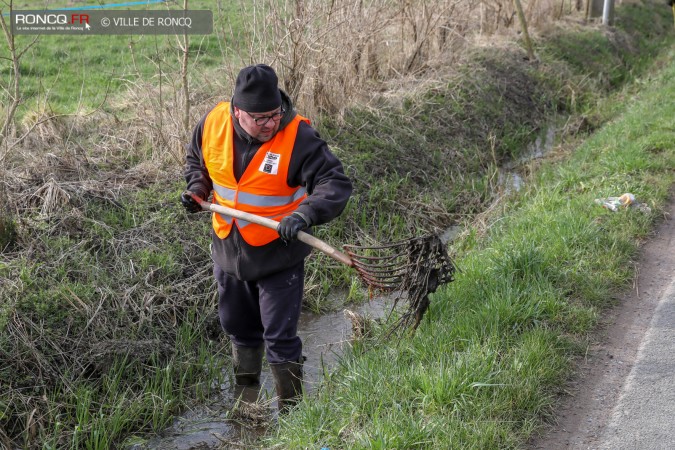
(290, 226)
(189, 204)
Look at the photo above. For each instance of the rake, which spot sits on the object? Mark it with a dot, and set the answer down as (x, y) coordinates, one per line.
(413, 268)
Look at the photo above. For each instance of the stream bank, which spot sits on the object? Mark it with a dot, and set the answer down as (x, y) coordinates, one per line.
(222, 421)
(106, 283)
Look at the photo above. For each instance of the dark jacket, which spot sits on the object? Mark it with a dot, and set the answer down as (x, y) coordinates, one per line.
(312, 165)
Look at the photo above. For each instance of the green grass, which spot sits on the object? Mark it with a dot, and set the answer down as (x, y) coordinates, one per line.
(429, 161)
(103, 412)
(496, 347)
(65, 74)
(105, 303)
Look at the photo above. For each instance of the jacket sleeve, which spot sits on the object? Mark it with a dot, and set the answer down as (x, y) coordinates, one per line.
(316, 168)
(196, 175)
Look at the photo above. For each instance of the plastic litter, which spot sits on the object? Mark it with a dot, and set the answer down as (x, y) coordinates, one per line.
(624, 201)
(614, 203)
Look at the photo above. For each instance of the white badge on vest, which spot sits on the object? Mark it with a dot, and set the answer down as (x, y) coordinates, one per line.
(270, 164)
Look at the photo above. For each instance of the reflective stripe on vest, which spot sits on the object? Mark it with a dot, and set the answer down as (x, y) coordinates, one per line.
(262, 188)
(258, 200)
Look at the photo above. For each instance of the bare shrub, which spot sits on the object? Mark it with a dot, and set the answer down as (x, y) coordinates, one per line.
(155, 125)
(10, 93)
(161, 110)
(331, 54)
(43, 127)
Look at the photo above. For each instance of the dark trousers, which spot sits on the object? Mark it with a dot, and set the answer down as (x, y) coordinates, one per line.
(263, 310)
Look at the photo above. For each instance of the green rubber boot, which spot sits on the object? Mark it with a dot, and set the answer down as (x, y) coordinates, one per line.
(247, 364)
(288, 383)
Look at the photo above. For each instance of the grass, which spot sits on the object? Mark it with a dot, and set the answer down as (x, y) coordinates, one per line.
(497, 345)
(430, 159)
(105, 411)
(105, 367)
(66, 75)
(107, 293)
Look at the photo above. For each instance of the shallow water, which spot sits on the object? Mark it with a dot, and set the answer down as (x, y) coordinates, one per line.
(209, 425)
(541, 147)
(509, 178)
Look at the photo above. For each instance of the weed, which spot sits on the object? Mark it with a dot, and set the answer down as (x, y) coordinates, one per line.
(107, 288)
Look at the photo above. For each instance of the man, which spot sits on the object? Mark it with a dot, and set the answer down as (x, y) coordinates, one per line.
(258, 155)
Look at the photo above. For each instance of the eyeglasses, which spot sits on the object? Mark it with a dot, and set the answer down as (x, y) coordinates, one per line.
(260, 121)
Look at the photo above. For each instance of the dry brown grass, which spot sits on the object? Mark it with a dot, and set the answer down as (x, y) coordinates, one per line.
(329, 55)
(332, 54)
(49, 182)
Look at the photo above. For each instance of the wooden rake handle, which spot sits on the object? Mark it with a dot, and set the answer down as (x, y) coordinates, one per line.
(273, 224)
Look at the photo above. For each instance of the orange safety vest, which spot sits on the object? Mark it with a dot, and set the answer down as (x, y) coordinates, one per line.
(262, 189)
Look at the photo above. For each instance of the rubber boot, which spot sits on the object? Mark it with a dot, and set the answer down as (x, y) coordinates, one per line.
(247, 364)
(288, 383)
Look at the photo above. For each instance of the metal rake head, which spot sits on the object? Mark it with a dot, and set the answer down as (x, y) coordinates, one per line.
(416, 267)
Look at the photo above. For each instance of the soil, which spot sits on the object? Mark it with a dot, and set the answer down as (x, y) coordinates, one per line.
(583, 414)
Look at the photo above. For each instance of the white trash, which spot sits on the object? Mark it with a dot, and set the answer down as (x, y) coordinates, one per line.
(624, 201)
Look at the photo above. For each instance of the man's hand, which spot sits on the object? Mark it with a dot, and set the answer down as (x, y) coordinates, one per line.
(189, 203)
(290, 226)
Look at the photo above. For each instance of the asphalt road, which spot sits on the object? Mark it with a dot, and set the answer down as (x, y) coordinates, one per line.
(644, 416)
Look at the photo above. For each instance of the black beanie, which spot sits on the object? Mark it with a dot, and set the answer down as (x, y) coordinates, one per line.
(256, 89)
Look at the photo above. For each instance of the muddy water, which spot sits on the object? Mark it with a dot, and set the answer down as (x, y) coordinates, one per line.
(211, 425)
(541, 146)
(509, 178)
